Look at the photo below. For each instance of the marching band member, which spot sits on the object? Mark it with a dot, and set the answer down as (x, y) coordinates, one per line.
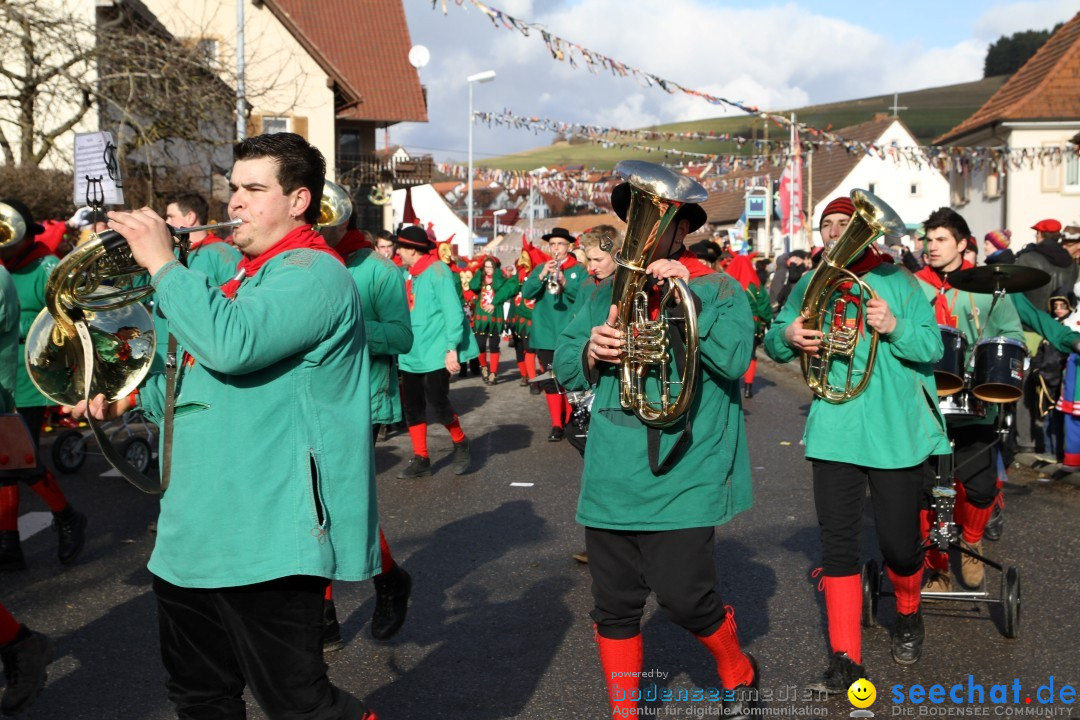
(492, 290)
(554, 287)
(438, 325)
(520, 321)
(655, 532)
(278, 357)
(848, 451)
(30, 262)
(739, 267)
(974, 454)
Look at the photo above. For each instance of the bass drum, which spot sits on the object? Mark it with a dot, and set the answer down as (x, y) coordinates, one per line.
(577, 430)
(999, 370)
(962, 406)
(949, 370)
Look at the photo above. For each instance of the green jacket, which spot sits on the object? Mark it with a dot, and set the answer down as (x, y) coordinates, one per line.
(30, 286)
(219, 262)
(895, 422)
(761, 307)
(10, 357)
(521, 310)
(1041, 322)
(386, 325)
(970, 310)
(499, 291)
(271, 475)
(438, 321)
(552, 312)
(710, 482)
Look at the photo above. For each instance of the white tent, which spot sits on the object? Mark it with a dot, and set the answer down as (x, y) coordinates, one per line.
(431, 208)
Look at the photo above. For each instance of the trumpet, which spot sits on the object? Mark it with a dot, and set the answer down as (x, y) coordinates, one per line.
(554, 287)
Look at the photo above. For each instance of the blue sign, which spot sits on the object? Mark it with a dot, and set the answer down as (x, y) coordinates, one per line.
(756, 207)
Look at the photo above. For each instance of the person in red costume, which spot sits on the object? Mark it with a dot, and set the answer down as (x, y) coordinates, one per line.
(740, 268)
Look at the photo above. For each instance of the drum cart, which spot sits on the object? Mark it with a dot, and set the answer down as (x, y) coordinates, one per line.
(135, 436)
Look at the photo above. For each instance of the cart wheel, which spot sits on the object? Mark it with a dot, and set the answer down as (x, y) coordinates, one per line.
(871, 590)
(1010, 602)
(137, 452)
(69, 451)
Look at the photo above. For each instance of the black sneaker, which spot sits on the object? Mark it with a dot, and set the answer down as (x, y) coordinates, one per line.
(907, 638)
(70, 524)
(419, 466)
(331, 634)
(556, 434)
(462, 456)
(534, 388)
(11, 554)
(748, 390)
(392, 590)
(743, 702)
(995, 524)
(839, 676)
(25, 662)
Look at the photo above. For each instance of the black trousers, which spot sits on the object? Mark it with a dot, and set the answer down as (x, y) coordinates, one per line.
(975, 462)
(546, 358)
(488, 342)
(267, 637)
(678, 565)
(33, 416)
(421, 392)
(896, 495)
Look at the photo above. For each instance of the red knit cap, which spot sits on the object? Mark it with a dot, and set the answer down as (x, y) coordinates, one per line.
(841, 205)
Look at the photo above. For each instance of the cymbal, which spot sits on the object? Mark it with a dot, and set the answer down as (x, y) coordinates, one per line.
(991, 278)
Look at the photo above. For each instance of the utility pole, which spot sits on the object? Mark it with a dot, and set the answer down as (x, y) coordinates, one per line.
(241, 102)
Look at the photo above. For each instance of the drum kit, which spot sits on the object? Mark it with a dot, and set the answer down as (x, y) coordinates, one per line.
(967, 383)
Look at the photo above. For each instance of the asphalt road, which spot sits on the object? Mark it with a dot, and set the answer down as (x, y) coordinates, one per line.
(499, 626)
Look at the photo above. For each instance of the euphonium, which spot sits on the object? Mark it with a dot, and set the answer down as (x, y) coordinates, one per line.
(656, 194)
(872, 219)
(12, 225)
(335, 208)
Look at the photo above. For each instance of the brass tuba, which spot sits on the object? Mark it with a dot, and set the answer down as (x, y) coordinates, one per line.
(656, 194)
(335, 208)
(872, 219)
(12, 225)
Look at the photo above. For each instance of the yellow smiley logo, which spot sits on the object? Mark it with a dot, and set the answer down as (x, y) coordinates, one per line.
(862, 693)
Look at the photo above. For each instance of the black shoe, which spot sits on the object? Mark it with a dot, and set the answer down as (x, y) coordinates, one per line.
(331, 634)
(25, 662)
(462, 455)
(907, 638)
(384, 433)
(556, 434)
(842, 672)
(748, 390)
(11, 554)
(392, 590)
(995, 525)
(534, 389)
(70, 524)
(523, 381)
(419, 466)
(742, 702)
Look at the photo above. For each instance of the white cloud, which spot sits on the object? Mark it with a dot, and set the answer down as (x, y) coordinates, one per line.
(1014, 17)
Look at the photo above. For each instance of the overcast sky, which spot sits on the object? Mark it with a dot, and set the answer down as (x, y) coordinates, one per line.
(771, 54)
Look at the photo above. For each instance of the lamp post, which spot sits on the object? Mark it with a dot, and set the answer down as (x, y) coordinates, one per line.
(495, 222)
(480, 77)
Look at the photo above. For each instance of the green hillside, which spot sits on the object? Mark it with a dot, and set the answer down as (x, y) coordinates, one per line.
(929, 113)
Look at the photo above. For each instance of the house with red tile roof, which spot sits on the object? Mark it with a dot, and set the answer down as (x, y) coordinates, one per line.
(1038, 107)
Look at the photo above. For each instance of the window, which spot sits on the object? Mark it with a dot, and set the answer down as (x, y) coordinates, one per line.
(958, 188)
(275, 124)
(872, 187)
(207, 49)
(914, 189)
(1072, 173)
(992, 189)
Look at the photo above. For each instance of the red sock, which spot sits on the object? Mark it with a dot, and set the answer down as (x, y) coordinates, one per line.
(483, 359)
(418, 435)
(621, 662)
(972, 520)
(522, 369)
(329, 594)
(384, 549)
(456, 433)
(907, 590)
(493, 363)
(530, 365)
(50, 492)
(9, 507)
(9, 626)
(843, 606)
(934, 559)
(732, 665)
(748, 378)
(555, 408)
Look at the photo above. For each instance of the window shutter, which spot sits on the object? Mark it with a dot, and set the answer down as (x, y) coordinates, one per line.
(299, 126)
(254, 124)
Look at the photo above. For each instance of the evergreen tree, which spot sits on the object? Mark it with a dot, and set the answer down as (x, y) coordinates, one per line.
(1008, 54)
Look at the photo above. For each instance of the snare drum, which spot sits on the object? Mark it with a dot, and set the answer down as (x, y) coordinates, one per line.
(999, 370)
(949, 370)
(962, 406)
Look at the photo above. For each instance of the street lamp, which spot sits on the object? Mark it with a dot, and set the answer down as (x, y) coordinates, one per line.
(495, 222)
(480, 77)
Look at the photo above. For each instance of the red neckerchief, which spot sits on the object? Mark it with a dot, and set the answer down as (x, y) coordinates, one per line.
(30, 253)
(569, 262)
(867, 261)
(697, 269)
(301, 238)
(943, 309)
(350, 242)
(414, 272)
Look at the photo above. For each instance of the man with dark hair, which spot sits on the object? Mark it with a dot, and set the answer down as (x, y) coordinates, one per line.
(30, 263)
(974, 451)
(266, 463)
(188, 208)
(438, 325)
(384, 244)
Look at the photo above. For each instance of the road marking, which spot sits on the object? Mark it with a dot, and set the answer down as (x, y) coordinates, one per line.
(521, 484)
(34, 522)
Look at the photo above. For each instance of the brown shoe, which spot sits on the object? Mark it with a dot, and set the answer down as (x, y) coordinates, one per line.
(971, 570)
(939, 582)
(581, 557)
